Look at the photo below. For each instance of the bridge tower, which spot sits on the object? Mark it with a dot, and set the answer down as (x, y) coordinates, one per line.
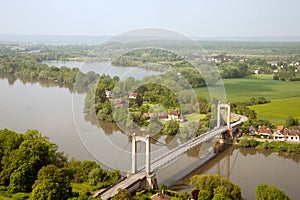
(222, 105)
(151, 181)
(135, 139)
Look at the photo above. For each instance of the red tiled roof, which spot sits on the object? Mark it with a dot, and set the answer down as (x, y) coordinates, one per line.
(265, 130)
(280, 128)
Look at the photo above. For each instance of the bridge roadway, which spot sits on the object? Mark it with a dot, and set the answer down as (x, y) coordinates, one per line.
(167, 158)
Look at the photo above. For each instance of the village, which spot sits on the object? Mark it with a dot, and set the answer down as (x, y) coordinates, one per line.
(279, 134)
(171, 115)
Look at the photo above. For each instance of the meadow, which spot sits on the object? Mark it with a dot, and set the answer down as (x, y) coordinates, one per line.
(284, 96)
(278, 110)
(244, 88)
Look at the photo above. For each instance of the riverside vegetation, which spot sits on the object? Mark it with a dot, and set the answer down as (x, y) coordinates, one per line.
(31, 166)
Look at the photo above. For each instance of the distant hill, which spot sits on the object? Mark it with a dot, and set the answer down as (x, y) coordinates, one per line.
(52, 39)
(94, 40)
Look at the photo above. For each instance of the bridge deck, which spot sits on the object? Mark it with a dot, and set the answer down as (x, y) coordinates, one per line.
(129, 181)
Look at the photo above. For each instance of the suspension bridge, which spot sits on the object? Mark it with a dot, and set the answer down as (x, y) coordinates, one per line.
(144, 177)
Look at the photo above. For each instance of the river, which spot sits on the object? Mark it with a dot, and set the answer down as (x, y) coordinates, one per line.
(58, 114)
(249, 167)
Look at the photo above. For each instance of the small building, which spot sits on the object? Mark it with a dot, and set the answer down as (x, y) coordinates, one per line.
(160, 196)
(109, 93)
(280, 129)
(132, 95)
(272, 63)
(253, 130)
(293, 135)
(120, 104)
(159, 115)
(265, 132)
(176, 115)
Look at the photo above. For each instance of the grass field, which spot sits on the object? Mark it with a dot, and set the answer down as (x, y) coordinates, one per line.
(284, 96)
(278, 110)
(245, 88)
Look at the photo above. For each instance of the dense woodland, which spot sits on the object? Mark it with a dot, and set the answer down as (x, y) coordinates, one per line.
(30, 163)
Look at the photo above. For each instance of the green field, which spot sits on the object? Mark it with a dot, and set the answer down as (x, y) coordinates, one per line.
(278, 110)
(245, 88)
(284, 96)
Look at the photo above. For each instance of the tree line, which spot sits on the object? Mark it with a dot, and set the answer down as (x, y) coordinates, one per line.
(27, 66)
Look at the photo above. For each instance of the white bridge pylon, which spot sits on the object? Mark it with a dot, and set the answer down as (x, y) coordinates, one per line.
(223, 105)
(135, 139)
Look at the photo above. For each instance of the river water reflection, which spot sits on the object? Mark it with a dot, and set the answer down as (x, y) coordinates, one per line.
(249, 167)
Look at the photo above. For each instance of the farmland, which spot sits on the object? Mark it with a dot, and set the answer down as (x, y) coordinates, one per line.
(278, 110)
(284, 96)
(245, 88)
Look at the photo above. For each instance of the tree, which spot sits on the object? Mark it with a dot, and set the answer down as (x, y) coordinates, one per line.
(204, 195)
(122, 194)
(52, 183)
(9, 141)
(96, 176)
(20, 167)
(215, 186)
(290, 121)
(171, 127)
(269, 192)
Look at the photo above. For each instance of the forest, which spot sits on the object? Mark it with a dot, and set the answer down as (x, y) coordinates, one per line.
(31, 166)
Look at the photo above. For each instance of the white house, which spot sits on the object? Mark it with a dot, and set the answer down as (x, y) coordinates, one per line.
(132, 95)
(176, 115)
(293, 136)
(265, 132)
(108, 93)
(280, 134)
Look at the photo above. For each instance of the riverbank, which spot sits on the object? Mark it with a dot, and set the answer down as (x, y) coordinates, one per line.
(247, 141)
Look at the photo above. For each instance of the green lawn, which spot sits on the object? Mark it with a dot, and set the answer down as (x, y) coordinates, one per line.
(278, 110)
(245, 88)
(194, 116)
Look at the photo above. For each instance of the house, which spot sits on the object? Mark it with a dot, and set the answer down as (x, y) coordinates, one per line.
(280, 134)
(176, 115)
(120, 104)
(160, 196)
(272, 63)
(132, 95)
(265, 132)
(109, 93)
(293, 135)
(159, 115)
(280, 129)
(253, 130)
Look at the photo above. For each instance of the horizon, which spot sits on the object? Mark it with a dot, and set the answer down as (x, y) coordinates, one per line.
(98, 39)
(213, 19)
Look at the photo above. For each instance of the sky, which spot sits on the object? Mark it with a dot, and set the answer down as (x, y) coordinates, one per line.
(195, 18)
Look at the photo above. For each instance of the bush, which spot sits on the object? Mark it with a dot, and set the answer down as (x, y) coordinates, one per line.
(20, 196)
(269, 192)
(244, 142)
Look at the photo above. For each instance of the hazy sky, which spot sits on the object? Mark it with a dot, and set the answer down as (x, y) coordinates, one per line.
(209, 18)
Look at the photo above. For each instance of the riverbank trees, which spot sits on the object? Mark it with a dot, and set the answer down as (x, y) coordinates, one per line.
(25, 67)
(269, 192)
(214, 187)
(31, 163)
